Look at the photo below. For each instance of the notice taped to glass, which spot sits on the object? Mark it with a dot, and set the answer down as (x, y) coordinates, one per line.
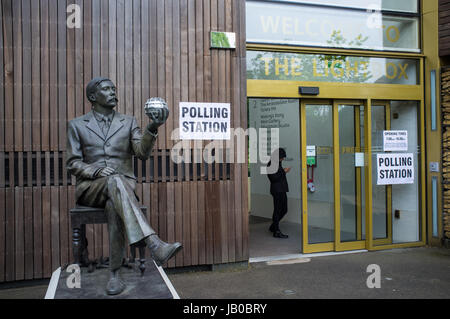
(395, 169)
(396, 141)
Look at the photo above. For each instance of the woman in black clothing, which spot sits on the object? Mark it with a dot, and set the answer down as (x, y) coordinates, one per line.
(278, 189)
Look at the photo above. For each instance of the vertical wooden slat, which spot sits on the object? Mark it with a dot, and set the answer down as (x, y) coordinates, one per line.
(9, 74)
(179, 222)
(19, 234)
(104, 71)
(71, 71)
(145, 59)
(18, 79)
(121, 55)
(216, 222)
(184, 66)
(237, 210)
(2, 171)
(46, 232)
(215, 73)
(145, 74)
(9, 235)
(26, 75)
(207, 78)
(201, 226)
(39, 177)
(20, 168)
(186, 225)
(2, 94)
(170, 189)
(29, 164)
(243, 109)
(162, 209)
(191, 50)
(127, 98)
(70, 203)
(192, 67)
(153, 209)
(104, 38)
(154, 69)
(63, 226)
(53, 74)
(146, 200)
(161, 76)
(209, 231)
(168, 52)
(224, 220)
(55, 161)
(231, 222)
(96, 38)
(45, 76)
(176, 70)
(97, 68)
(199, 45)
(55, 231)
(62, 74)
(28, 233)
(37, 232)
(2, 233)
(79, 62)
(194, 222)
(47, 169)
(136, 82)
(87, 37)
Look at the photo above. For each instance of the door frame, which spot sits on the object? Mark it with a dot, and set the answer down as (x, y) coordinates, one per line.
(336, 245)
(368, 94)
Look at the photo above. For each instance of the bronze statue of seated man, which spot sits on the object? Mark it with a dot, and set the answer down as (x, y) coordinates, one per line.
(100, 146)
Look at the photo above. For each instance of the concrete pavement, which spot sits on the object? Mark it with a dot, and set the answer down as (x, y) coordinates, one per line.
(404, 273)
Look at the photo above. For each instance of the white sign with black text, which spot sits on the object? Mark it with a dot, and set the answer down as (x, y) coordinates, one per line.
(204, 121)
(395, 141)
(395, 168)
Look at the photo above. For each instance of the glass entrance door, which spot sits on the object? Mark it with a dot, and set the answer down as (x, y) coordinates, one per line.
(333, 175)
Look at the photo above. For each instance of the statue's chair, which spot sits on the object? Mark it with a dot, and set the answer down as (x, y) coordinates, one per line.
(80, 216)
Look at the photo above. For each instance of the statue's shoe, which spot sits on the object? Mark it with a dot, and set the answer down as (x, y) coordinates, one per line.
(162, 251)
(115, 286)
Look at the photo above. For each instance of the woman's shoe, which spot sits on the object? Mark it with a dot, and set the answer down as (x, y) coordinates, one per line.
(279, 234)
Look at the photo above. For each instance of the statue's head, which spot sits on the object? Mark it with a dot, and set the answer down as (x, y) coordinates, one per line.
(102, 91)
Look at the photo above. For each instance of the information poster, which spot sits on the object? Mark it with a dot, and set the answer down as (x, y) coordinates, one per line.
(395, 169)
(204, 121)
(395, 141)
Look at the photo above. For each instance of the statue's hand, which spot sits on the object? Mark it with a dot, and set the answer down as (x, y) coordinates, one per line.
(157, 111)
(106, 171)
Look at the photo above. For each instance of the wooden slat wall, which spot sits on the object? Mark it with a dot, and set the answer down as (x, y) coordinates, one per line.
(148, 48)
(444, 27)
(445, 110)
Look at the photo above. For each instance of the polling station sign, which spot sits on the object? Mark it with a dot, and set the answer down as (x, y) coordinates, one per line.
(395, 168)
(204, 121)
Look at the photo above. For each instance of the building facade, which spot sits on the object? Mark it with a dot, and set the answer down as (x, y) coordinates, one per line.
(347, 82)
(355, 88)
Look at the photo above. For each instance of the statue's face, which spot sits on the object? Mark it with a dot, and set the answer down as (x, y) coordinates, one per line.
(105, 95)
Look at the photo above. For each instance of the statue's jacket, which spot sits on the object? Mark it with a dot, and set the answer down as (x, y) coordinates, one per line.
(88, 150)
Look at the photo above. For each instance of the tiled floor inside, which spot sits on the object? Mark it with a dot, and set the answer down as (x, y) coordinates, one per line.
(263, 244)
